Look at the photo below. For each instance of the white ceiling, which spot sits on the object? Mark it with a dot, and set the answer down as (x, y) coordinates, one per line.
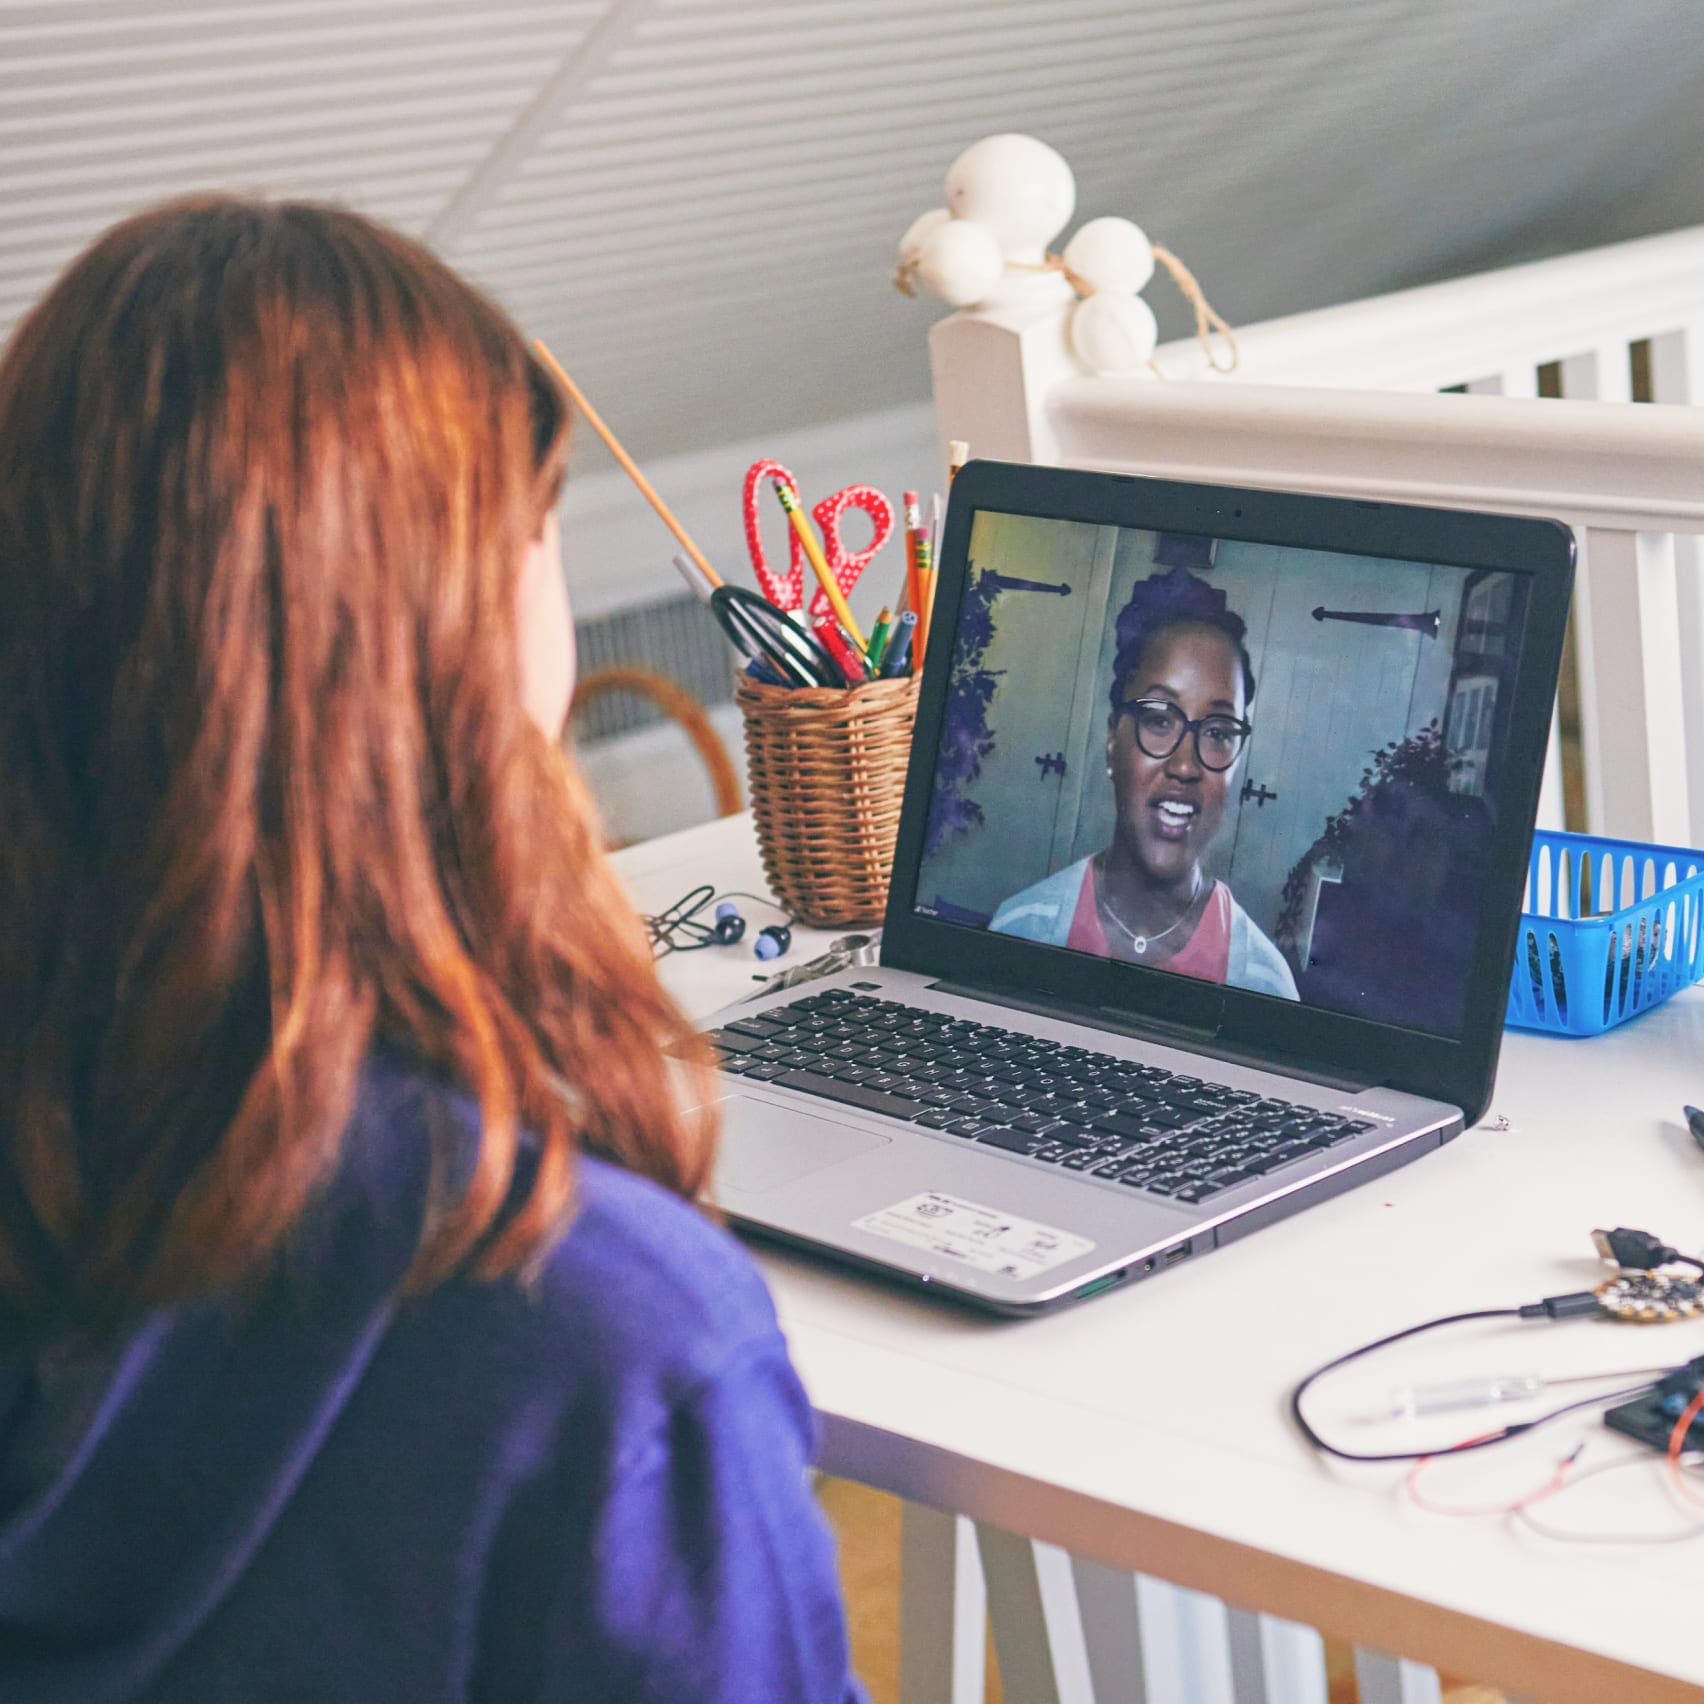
(696, 202)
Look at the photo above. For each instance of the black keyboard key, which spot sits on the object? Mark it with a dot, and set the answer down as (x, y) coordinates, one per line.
(851, 1073)
(766, 1072)
(1225, 1178)
(1117, 1124)
(1074, 1135)
(935, 1118)
(1013, 1141)
(730, 1042)
(970, 1127)
(1169, 1184)
(762, 1028)
(849, 1094)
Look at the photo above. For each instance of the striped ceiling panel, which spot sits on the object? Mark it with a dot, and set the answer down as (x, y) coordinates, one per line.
(696, 201)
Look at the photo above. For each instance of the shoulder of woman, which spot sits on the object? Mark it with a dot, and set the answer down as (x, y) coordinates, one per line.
(1041, 903)
(641, 1283)
(1255, 962)
(660, 1263)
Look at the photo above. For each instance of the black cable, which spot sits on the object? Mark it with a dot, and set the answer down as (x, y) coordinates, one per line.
(677, 928)
(1570, 1306)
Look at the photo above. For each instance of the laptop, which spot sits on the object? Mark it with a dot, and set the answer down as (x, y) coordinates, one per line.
(1206, 891)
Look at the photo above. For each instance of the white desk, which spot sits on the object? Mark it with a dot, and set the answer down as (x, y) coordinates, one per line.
(1147, 1429)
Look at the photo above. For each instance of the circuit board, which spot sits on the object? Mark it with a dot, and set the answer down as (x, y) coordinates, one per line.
(1645, 1419)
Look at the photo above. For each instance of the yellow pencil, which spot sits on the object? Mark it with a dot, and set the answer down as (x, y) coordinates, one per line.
(813, 555)
(925, 597)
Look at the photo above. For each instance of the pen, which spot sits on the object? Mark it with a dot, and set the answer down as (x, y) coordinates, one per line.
(690, 572)
(835, 643)
(819, 566)
(899, 652)
(1695, 1123)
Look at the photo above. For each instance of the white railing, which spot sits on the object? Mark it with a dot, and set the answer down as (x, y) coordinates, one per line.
(1336, 402)
(1344, 401)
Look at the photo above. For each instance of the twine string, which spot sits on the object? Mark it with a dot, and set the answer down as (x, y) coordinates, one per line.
(1209, 322)
(1207, 318)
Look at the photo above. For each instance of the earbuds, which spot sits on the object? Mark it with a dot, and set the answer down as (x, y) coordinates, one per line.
(681, 929)
(773, 941)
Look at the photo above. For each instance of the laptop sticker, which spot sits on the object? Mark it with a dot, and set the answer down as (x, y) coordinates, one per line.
(983, 1237)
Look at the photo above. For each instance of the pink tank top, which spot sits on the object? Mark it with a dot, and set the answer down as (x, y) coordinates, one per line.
(1206, 954)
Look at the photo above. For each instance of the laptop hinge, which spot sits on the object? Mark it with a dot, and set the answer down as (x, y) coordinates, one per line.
(1196, 1040)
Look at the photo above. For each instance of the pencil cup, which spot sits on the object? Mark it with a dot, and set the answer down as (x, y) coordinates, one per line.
(826, 769)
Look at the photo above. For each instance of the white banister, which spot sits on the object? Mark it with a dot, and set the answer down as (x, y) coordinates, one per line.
(1596, 464)
(1467, 330)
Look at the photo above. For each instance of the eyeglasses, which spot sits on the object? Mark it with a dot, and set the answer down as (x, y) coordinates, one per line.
(1161, 727)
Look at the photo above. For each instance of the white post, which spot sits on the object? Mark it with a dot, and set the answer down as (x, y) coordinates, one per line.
(1632, 701)
(1276, 1662)
(1395, 1680)
(943, 1621)
(1032, 1609)
(993, 367)
(1677, 378)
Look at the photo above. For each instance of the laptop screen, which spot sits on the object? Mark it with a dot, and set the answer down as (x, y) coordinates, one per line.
(1274, 768)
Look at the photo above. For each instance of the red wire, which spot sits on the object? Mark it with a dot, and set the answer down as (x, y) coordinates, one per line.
(1411, 1484)
(1677, 1443)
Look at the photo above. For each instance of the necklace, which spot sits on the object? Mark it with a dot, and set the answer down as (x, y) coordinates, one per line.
(1141, 943)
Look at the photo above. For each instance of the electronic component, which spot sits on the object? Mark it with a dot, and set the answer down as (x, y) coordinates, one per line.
(1645, 1419)
(1650, 1298)
(1632, 1251)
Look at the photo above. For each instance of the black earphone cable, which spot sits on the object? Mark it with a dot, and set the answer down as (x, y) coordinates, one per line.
(1575, 1305)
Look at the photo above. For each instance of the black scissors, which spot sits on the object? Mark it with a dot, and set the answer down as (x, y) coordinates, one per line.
(774, 639)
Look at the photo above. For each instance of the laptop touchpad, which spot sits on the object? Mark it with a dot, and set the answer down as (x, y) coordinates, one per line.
(765, 1146)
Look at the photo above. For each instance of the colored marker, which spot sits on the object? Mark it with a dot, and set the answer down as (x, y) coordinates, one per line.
(879, 636)
(898, 656)
(841, 650)
(813, 554)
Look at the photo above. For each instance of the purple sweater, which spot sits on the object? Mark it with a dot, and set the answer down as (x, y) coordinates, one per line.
(592, 1489)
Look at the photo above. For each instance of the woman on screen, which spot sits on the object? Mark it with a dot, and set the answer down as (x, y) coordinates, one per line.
(1182, 685)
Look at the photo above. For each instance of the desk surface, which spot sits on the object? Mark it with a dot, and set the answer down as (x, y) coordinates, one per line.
(1149, 1429)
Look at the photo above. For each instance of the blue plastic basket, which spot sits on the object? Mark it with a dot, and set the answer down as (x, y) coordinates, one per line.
(1610, 929)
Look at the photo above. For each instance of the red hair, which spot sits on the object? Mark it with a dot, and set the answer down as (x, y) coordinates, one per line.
(268, 795)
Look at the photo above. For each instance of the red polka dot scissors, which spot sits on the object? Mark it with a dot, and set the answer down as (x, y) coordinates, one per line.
(787, 591)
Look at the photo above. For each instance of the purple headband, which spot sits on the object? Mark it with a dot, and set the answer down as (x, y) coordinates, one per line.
(1164, 600)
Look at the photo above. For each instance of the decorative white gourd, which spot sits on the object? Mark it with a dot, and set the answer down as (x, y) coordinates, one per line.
(1111, 333)
(1008, 197)
(1111, 254)
(1016, 187)
(961, 262)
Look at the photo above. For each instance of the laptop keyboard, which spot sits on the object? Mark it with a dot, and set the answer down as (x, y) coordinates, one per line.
(1071, 1107)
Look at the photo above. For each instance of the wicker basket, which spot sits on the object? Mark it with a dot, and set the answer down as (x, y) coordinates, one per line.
(826, 771)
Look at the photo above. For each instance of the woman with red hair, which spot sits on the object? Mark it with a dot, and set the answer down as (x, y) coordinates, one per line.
(359, 1339)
